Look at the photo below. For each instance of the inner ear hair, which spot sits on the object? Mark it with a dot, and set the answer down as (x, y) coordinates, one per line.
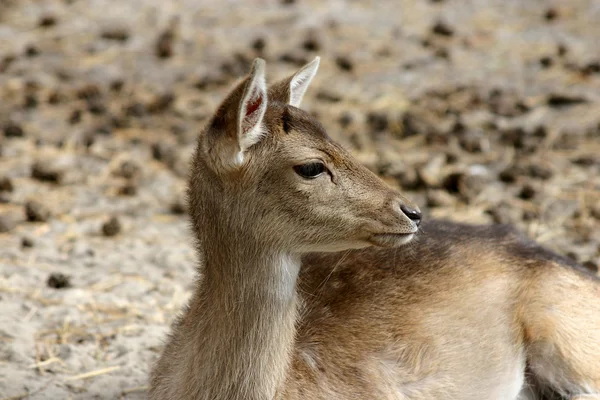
(252, 107)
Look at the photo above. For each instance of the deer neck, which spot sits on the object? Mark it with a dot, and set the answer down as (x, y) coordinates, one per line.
(249, 306)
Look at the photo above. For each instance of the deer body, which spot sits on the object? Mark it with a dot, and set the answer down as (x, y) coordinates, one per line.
(312, 286)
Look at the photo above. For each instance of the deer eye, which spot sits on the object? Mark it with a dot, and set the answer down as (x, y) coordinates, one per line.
(310, 170)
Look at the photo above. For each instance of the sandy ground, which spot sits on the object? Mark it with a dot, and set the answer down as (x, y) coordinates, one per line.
(481, 111)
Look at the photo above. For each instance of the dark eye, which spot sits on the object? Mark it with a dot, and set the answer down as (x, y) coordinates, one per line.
(310, 170)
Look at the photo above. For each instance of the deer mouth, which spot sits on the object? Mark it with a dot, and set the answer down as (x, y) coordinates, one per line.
(391, 239)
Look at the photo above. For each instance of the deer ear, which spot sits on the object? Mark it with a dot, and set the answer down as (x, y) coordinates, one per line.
(252, 107)
(292, 89)
(238, 121)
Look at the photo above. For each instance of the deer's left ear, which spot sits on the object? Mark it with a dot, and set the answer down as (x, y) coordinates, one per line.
(292, 89)
(252, 107)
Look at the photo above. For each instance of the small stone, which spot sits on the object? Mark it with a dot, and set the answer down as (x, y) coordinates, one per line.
(475, 142)
(178, 206)
(510, 174)
(527, 192)
(595, 211)
(551, 14)
(546, 62)
(118, 34)
(32, 51)
(47, 21)
(377, 121)
(56, 97)
(344, 63)
(111, 227)
(96, 106)
(543, 172)
(293, 58)
(259, 44)
(590, 68)
(57, 280)
(27, 242)
(136, 109)
(88, 92)
(165, 152)
(128, 169)
(161, 103)
(75, 117)
(12, 129)
(442, 28)
(46, 172)
(562, 50)
(36, 211)
(7, 223)
(559, 100)
(129, 189)
(165, 43)
(6, 184)
(31, 100)
(591, 265)
(312, 42)
(117, 85)
(329, 96)
(345, 120)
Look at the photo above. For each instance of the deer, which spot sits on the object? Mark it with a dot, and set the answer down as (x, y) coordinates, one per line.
(317, 280)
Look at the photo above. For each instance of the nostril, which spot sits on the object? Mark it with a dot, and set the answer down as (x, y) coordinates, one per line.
(414, 215)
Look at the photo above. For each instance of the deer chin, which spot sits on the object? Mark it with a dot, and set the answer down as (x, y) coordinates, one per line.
(391, 239)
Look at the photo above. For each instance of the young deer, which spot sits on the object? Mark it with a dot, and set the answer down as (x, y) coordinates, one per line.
(307, 293)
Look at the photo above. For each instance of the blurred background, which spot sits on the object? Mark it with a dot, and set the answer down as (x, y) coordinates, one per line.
(486, 111)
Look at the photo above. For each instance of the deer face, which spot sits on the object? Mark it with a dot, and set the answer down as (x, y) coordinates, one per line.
(282, 177)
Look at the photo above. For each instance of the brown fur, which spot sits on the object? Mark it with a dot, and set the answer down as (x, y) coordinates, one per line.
(460, 312)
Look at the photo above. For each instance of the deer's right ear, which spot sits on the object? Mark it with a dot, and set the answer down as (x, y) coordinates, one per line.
(292, 89)
(238, 122)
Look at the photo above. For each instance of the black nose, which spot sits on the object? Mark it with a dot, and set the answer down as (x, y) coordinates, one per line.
(414, 215)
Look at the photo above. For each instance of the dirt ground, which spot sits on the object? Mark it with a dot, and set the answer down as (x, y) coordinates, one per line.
(485, 111)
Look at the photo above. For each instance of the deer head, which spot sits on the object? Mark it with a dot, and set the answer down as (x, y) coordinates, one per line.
(265, 170)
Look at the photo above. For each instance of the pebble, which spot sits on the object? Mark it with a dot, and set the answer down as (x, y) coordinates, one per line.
(591, 265)
(116, 33)
(179, 206)
(58, 280)
(27, 242)
(129, 189)
(47, 21)
(36, 211)
(6, 184)
(442, 28)
(46, 171)
(128, 169)
(527, 192)
(165, 43)
(111, 227)
(344, 63)
(12, 129)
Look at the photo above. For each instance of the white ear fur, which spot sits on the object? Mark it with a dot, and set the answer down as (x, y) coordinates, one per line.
(252, 108)
(301, 80)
